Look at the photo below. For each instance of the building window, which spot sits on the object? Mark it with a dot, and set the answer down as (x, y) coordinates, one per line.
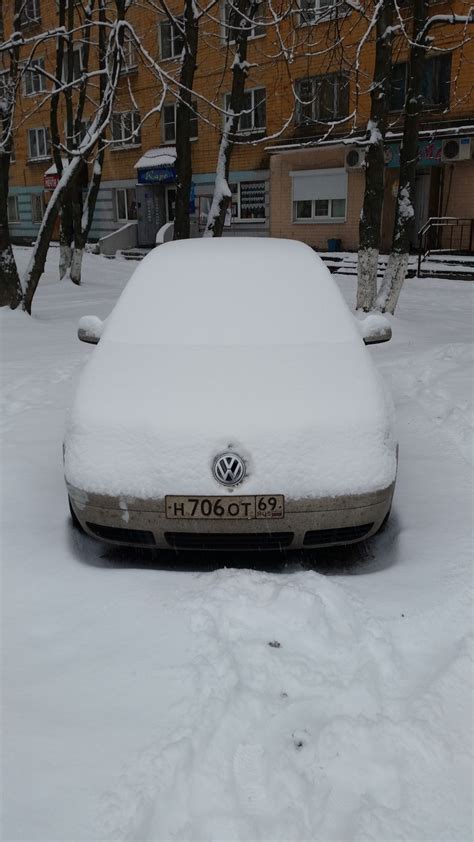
(311, 11)
(125, 204)
(252, 207)
(30, 12)
(38, 144)
(35, 82)
(398, 86)
(232, 23)
(319, 195)
(37, 207)
(13, 212)
(126, 128)
(435, 86)
(77, 64)
(254, 116)
(169, 122)
(129, 55)
(171, 38)
(77, 137)
(322, 98)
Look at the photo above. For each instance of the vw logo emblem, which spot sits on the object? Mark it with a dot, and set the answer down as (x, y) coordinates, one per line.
(228, 468)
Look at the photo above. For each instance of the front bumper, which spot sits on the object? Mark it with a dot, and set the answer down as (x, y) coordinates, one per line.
(319, 522)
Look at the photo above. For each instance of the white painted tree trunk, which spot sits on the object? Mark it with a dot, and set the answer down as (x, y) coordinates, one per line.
(222, 193)
(76, 265)
(392, 283)
(65, 255)
(367, 265)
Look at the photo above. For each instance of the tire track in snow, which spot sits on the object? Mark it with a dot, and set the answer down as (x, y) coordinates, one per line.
(264, 741)
(317, 739)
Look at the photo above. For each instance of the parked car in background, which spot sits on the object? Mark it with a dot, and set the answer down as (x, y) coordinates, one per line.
(231, 403)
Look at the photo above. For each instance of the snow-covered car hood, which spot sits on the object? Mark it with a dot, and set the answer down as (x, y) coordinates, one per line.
(309, 420)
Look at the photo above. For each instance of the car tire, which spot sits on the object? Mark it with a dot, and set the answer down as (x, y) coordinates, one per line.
(75, 521)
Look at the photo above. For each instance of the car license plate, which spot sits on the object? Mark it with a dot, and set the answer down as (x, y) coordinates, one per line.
(259, 507)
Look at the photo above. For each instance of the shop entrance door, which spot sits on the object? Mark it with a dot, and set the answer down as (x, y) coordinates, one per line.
(150, 212)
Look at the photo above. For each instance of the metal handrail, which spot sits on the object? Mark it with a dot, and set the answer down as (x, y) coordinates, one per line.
(439, 222)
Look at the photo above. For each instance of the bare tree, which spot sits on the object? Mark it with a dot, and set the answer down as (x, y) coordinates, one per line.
(371, 215)
(397, 264)
(183, 121)
(10, 286)
(71, 173)
(241, 19)
(420, 43)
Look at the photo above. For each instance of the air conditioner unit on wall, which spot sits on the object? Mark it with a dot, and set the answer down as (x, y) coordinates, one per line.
(456, 149)
(355, 158)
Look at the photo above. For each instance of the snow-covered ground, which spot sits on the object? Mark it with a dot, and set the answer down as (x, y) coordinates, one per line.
(324, 696)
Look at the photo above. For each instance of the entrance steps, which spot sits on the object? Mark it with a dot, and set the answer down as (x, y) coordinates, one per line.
(452, 266)
(437, 265)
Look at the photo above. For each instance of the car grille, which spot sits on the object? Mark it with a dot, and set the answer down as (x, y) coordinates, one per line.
(126, 536)
(333, 536)
(230, 541)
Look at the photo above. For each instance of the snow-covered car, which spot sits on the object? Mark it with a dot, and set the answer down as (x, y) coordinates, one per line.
(230, 403)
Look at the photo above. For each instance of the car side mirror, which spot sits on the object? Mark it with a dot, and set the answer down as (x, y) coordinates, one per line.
(375, 328)
(90, 329)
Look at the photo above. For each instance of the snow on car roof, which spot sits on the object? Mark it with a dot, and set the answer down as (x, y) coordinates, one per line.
(239, 291)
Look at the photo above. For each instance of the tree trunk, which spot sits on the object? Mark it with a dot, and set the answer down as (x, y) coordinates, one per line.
(40, 249)
(83, 226)
(244, 13)
(184, 170)
(11, 292)
(397, 265)
(76, 259)
(10, 287)
(371, 215)
(66, 233)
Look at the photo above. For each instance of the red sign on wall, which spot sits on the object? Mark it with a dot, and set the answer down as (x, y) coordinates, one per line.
(50, 181)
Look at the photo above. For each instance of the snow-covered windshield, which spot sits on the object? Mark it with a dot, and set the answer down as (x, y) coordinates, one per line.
(231, 292)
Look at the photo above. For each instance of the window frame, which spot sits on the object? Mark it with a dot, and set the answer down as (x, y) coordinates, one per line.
(315, 218)
(129, 51)
(36, 16)
(321, 15)
(78, 49)
(127, 218)
(251, 113)
(31, 74)
(165, 123)
(226, 28)
(14, 198)
(134, 139)
(434, 62)
(338, 80)
(47, 141)
(238, 218)
(319, 193)
(175, 37)
(33, 198)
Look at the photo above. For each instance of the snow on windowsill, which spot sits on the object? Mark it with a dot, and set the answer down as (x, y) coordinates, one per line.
(124, 147)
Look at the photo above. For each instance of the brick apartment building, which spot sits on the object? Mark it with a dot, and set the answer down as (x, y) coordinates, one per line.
(300, 184)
